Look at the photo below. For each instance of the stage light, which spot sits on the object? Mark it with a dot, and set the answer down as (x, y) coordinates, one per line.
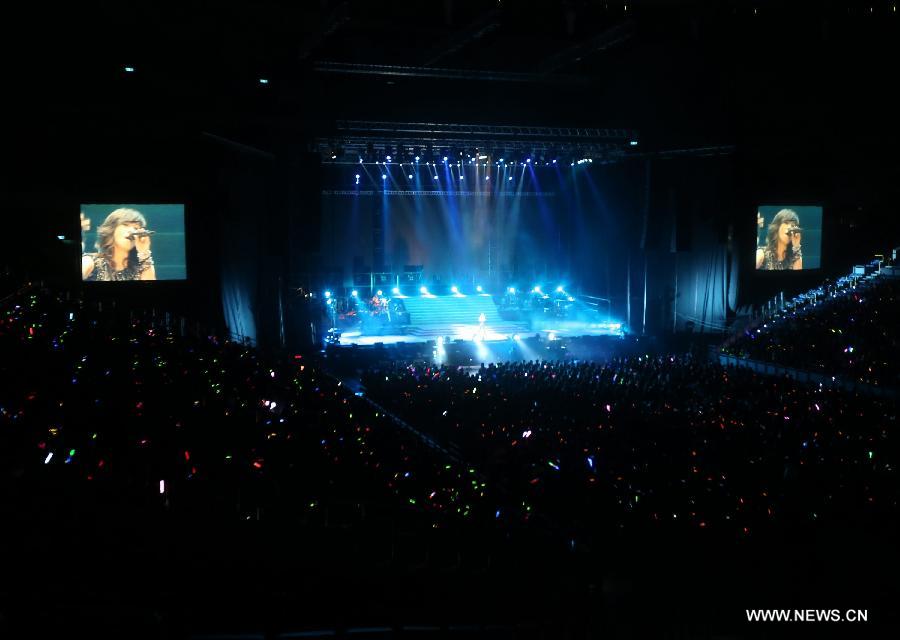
(509, 178)
(357, 176)
(440, 341)
(501, 159)
(528, 160)
(479, 288)
(511, 290)
(454, 289)
(462, 177)
(571, 299)
(410, 176)
(360, 160)
(129, 69)
(445, 158)
(633, 143)
(516, 337)
(435, 177)
(487, 177)
(396, 291)
(327, 294)
(263, 81)
(423, 290)
(354, 293)
(536, 289)
(559, 289)
(554, 161)
(417, 158)
(551, 336)
(383, 177)
(379, 293)
(388, 158)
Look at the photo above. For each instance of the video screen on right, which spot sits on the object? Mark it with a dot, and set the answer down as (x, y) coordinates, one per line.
(788, 237)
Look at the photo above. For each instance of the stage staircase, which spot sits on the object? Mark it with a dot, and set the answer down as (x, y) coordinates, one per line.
(456, 316)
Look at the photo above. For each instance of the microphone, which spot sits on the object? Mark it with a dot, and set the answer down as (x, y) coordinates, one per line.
(790, 231)
(141, 233)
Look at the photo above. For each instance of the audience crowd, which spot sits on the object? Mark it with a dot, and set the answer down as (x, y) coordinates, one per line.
(843, 330)
(125, 417)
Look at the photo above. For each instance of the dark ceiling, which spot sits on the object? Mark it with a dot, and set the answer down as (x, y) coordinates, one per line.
(816, 75)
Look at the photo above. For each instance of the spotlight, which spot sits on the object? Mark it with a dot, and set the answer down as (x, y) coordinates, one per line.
(357, 176)
(528, 160)
(354, 293)
(536, 289)
(129, 69)
(445, 158)
(487, 177)
(454, 289)
(388, 158)
(559, 289)
(462, 177)
(516, 337)
(440, 341)
(417, 158)
(552, 336)
(512, 289)
(435, 177)
(423, 290)
(396, 291)
(509, 178)
(383, 177)
(327, 294)
(479, 289)
(263, 81)
(633, 143)
(379, 293)
(410, 176)
(554, 160)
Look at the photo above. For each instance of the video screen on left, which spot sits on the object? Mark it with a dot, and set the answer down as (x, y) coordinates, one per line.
(123, 242)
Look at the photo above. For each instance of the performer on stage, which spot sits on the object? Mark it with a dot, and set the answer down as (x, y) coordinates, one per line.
(482, 319)
(123, 249)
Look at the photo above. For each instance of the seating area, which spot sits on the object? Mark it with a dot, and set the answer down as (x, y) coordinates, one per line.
(131, 448)
(844, 329)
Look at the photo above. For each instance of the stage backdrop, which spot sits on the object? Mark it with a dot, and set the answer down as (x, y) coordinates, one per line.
(457, 238)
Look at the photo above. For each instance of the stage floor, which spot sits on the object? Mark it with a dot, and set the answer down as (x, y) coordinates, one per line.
(470, 332)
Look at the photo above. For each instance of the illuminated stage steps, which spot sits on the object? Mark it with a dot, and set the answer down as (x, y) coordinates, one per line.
(456, 316)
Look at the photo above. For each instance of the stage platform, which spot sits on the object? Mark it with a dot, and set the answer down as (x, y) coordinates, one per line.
(456, 317)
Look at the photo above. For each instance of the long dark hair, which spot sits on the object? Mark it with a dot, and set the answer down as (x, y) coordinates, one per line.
(782, 217)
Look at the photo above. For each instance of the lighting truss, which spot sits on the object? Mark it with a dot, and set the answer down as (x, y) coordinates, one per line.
(358, 137)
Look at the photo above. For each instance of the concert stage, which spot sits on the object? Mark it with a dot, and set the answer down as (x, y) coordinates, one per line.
(455, 317)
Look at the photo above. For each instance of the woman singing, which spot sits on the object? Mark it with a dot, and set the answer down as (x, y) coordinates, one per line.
(782, 251)
(122, 252)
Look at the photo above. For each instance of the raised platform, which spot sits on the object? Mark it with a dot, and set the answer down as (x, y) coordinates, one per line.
(456, 317)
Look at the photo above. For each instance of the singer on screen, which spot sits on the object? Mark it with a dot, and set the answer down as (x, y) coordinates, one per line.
(123, 249)
(782, 250)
